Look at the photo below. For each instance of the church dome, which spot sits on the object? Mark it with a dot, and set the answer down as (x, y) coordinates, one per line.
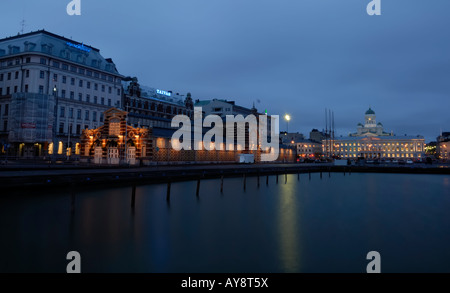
(370, 112)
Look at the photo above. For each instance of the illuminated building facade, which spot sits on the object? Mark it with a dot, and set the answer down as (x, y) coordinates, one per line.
(308, 149)
(371, 142)
(51, 88)
(443, 146)
(115, 142)
(151, 107)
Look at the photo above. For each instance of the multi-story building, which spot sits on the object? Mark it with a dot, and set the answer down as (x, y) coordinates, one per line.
(223, 108)
(151, 107)
(309, 149)
(443, 146)
(318, 136)
(51, 88)
(291, 138)
(371, 142)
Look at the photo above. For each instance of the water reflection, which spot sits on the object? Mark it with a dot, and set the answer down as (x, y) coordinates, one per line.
(288, 225)
(320, 225)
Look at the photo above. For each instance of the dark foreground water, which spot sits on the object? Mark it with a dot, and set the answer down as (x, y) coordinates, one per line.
(317, 225)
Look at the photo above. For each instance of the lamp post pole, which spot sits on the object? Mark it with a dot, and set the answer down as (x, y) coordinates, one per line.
(55, 95)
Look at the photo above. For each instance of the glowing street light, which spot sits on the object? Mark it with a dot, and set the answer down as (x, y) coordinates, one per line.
(287, 117)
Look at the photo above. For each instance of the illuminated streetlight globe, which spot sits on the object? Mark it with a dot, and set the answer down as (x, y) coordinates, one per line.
(287, 117)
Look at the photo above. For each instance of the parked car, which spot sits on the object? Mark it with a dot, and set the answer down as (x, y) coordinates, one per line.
(409, 162)
(395, 161)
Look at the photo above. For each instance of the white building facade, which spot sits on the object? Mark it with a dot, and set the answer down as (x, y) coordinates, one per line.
(371, 142)
(51, 88)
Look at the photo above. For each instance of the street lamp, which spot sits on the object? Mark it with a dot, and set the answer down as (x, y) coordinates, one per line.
(287, 117)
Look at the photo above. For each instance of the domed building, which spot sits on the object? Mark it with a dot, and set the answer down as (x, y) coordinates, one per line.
(371, 142)
(371, 127)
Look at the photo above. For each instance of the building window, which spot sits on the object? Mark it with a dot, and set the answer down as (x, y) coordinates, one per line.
(94, 116)
(89, 73)
(41, 74)
(6, 111)
(118, 92)
(64, 79)
(41, 89)
(80, 83)
(15, 89)
(70, 112)
(61, 127)
(72, 81)
(1, 93)
(55, 77)
(86, 115)
(16, 75)
(109, 90)
(88, 98)
(114, 127)
(103, 88)
(102, 101)
(55, 64)
(43, 61)
(88, 84)
(96, 86)
(101, 117)
(80, 97)
(28, 60)
(5, 125)
(62, 112)
(81, 71)
(95, 100)
(63, 93)
(9, 75)
(72, 95)
(73, 69)
(65, 67)
(109, 102)
(1, 77)
(7, 90)
(78, 114)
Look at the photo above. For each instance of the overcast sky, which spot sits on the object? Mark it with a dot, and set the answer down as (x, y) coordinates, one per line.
(286, 56)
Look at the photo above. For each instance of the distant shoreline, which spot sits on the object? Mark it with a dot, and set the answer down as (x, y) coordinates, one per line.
(21, 177)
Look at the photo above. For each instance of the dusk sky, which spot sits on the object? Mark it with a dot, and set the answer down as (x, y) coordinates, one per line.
(286, 56)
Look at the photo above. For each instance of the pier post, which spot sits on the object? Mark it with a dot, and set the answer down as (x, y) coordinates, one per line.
(267, 180)
(309, 174)
(258, 179)
(320, 174)
(133, 196)
(277, 177)
(221, 184)
(298, 176)
(198, 187)
(285, 178)
(245, 180)
(344, 171)
(168, 191)
(72, 201)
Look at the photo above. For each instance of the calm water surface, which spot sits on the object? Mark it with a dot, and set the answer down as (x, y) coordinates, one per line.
(317, 225)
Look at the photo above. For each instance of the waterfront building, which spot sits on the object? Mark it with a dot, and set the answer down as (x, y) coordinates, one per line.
(318, 136)
(116, 142)
(291, 138)
(371, 142)
(51, 88)
(308, 149)
(151, 107)
(443, 146)
(223, 108)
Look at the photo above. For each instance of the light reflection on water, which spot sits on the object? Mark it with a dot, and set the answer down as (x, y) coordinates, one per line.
(317, 225)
